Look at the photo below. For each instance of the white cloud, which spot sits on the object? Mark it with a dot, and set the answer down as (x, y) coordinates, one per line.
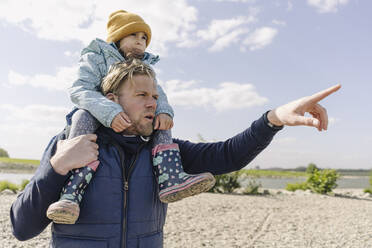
(326, 6)
(25, 131)
(34, 113)
(67, 20)
(218, 28)
(61, 81)
(223, 33)
(226, 40)
(229, 95)
(279, 23)
(237, 1)
(72, 54)
(260, 38)
(289, 6)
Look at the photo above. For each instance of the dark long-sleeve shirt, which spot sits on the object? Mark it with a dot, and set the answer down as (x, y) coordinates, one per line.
(28, 212)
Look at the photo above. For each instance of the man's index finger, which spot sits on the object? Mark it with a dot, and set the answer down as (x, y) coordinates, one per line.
(324, 93)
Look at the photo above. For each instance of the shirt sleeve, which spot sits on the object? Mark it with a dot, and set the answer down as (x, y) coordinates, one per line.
(85, 92)
(28, 211)
(228, 156)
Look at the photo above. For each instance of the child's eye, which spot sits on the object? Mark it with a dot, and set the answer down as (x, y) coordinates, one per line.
(144, 37)
(134, 34)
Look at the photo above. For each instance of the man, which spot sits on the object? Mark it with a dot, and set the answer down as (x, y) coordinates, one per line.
(121, 206)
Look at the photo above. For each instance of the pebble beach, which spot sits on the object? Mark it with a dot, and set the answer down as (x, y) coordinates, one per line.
(280, 219)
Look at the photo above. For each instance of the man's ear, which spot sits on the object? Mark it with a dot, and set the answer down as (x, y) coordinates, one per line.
(112, 97)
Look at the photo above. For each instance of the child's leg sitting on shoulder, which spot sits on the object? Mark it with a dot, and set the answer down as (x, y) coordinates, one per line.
(174, 183)
(66, 210)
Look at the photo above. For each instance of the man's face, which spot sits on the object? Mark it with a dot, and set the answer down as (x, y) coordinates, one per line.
(138, 100)
(133, 44)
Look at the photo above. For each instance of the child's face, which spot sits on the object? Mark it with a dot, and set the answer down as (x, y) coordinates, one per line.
(133, 44)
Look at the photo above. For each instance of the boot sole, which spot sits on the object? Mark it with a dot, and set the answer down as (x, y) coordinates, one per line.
(64, 212)
(192, 187)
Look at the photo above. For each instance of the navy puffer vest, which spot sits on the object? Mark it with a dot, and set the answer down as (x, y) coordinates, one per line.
(121, 207)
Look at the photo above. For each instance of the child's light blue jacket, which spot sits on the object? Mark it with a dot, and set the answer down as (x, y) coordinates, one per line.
(94, 64)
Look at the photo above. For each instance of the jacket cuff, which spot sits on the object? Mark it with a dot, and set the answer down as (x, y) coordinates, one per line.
(263, 132)
(267, 122)
(164, 111)
(111, 117)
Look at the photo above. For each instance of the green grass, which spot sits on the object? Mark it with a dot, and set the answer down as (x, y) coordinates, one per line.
(19, 161)
(272, 173)
(8, 185)
(13, 187)
(16, 165)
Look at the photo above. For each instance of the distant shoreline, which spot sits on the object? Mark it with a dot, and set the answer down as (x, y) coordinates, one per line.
(19, 168)
(30, 166)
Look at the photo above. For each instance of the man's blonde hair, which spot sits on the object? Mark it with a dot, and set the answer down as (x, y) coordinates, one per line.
(121, 72)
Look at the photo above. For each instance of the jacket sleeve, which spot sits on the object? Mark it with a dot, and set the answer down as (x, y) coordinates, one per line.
(230, 155)
(85, 92)
(163, 106)
(28, 211)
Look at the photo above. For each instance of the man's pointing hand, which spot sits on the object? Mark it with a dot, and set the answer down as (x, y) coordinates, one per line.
(292, 114)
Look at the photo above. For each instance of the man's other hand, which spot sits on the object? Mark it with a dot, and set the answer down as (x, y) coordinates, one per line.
(292, 114)
(74, 153)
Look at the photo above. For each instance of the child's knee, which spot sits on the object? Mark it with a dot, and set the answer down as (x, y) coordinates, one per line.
(81, 116)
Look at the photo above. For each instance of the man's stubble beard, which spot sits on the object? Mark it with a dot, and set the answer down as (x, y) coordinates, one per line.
(139, 129)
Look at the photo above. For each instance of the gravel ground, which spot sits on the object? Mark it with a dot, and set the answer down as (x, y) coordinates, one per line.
(299, 219)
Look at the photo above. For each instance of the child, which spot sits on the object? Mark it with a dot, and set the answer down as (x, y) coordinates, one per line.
(128, 37)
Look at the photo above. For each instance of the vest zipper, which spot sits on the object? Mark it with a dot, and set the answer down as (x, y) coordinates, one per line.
(126, 188)
(126, 184)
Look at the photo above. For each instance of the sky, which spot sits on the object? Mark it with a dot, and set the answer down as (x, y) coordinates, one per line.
(223, 64)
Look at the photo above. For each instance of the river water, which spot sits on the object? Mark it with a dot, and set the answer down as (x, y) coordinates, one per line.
(15, 177)
(270, 183)
(281, 183)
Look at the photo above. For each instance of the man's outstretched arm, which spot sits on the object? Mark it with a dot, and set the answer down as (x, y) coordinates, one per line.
(230, 155)
(238, 151)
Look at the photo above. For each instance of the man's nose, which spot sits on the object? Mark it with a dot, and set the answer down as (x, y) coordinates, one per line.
(151, 103)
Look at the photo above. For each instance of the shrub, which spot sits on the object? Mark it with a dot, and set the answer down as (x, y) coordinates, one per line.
(311, 168)
(23, 184)
(8, 185)
(296, 186)
(3, 153)
(368, 190)
(322, 181)
(226, 183)
(252, 188)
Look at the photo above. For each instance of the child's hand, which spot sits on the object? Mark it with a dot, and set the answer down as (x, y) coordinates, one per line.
(120, 122)
(163, 122)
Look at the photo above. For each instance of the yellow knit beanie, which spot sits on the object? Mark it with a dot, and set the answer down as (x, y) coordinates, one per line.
(122, 23)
